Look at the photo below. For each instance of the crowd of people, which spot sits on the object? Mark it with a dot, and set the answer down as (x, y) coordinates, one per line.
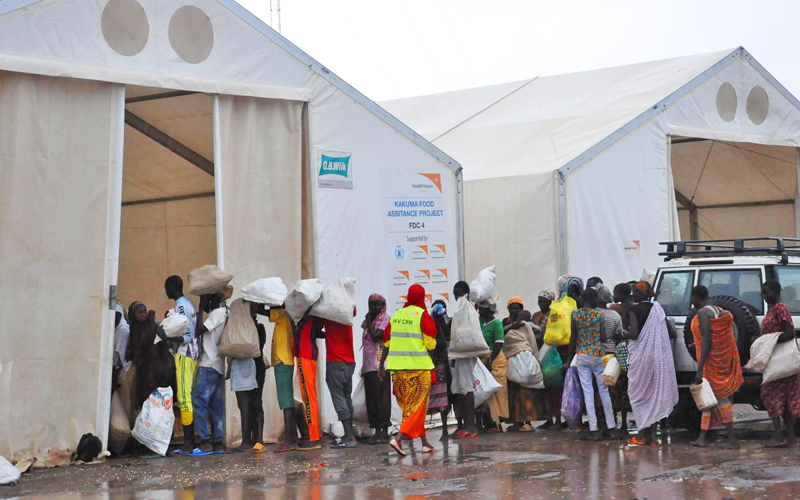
(409, 355)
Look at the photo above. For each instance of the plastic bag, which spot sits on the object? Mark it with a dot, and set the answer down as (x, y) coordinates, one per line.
(175, 324)
(466, 337)
(559, 324)
(485, 385)
(119, 428)
(337, 302)
(761, 351)
(269, 291)
(572, 397)
(208, 279)
(552, 366)
(154, 424)
(784, 362)
(8, 473)
(703, 395)
(611, 372)
(240, 336)
(524, 369)
(301, 297)
(482, 287)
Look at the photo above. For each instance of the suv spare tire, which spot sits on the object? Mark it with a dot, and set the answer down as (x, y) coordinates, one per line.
(688, 336)
(744, 317)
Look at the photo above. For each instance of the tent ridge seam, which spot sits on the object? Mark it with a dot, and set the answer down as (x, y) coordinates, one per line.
(484, 109)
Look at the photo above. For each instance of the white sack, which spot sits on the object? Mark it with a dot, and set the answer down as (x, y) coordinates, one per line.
(784, 362)
(761, 351)
(8, 473)
(304, 294)
(208, 279)
(484, 385)
(337, 302)
(648, 276)
(466, 337)
(119, 428)
(611, 372)
(175, 324)
(154, 424)
(703, 395)
(360, 415)
(482, 287)
(269, 291)
(524, 369)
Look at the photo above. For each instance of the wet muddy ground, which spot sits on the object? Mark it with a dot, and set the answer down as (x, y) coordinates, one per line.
(541, 464)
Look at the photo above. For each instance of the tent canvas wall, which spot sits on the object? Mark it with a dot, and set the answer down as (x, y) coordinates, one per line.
(255, 131)
(594, 169)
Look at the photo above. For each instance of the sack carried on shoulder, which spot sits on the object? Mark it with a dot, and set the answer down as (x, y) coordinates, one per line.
(466, 339)
(784, 362)
(524, 369)
(559, 323)
(240, 336)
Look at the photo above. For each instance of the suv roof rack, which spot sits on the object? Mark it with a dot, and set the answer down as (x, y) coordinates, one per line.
(769, 245)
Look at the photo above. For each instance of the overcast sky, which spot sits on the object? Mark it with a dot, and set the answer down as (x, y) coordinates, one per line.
(392, 49)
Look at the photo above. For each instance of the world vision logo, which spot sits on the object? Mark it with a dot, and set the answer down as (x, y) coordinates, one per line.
(446, 296)
(429, 297)
(435, 178)
(442, 248)
(444, 272)
(424, 248)
(406, 274)
(426, 272)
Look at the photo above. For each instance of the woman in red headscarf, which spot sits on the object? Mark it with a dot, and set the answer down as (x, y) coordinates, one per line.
(411, 333)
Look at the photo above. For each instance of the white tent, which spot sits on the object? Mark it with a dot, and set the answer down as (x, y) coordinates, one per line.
(586, 173)
(143, 138)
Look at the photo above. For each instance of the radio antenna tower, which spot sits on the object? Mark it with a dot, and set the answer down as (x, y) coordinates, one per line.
(275, 14)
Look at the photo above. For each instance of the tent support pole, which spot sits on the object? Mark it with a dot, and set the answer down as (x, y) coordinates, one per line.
(797, 193)
(462, 272)
(218, 186)
(561, 218)
(170, 143)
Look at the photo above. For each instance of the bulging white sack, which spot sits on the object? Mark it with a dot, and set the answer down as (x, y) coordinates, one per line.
(208, 279)
(302, 296)
(337, 302)
(524, 369)
(8, 473)
(482, 287)
(119, 429)
(466, 338)
(784, 362)
(268, 291)
(175, 324)
(761, 351)
(154, 424)
(484, 385)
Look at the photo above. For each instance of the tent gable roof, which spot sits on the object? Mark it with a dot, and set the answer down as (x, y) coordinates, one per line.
(560, 122)
(243, 55)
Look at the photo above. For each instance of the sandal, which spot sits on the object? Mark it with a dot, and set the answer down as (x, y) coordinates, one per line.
(396, 447)
(428, 449)
(284, 448)
(466, 435)
(637, 442)
(258, 448)
(526, 428)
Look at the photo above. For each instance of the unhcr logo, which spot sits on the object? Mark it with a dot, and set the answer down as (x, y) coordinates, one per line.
(333, 165)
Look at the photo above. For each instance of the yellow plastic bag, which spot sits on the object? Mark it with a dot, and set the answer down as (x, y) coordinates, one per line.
(559, 324)
(605, 359)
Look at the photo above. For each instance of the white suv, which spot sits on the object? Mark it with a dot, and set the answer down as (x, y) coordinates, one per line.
(733, 271)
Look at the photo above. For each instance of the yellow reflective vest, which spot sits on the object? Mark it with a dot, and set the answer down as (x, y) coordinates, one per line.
(407, 349)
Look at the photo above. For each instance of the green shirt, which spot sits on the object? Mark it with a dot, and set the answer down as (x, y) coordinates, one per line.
(492, 332)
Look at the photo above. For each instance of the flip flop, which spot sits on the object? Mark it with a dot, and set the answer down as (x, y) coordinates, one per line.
(177, 451)
(428, 449)
(396, 447)
(782, 444)
(197, 452)
(310, 447)
(284, 449)
(258, 448)
(637, 442)
(342, 446)
(466, 435)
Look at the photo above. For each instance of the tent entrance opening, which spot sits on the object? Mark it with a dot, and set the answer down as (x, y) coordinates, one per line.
(730, 189)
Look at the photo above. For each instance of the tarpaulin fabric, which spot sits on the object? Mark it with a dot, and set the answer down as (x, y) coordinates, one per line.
(56, 158)
(261, 205)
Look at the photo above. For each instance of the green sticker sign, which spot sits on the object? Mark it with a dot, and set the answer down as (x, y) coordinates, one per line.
(335, 170)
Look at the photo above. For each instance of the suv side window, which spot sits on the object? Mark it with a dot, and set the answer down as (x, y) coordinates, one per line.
(744, 284)
(789, 278)
(674, 292)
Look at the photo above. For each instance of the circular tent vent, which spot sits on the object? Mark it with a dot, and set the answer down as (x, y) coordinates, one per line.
(125, 26)
(757, 105)
(191, 34)
(726, 102)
